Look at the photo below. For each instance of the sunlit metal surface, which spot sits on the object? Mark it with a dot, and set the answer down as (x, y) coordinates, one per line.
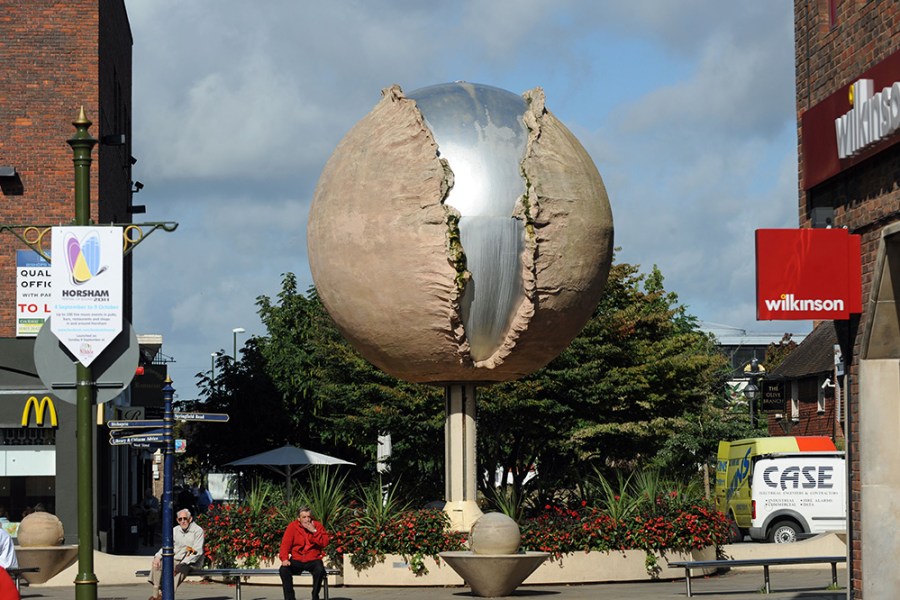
(480, 130)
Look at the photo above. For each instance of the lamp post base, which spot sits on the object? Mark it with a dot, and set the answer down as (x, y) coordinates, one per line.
(463, 514)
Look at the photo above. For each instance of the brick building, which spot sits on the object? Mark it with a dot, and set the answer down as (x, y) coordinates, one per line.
(848, 109)
(57, 57)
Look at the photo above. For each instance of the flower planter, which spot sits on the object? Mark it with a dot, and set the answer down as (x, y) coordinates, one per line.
(394, 570)
(622, 565)
(580, 567)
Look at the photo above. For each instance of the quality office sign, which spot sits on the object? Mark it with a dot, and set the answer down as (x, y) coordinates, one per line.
(32, 292)
(87, 289)
(807, 274)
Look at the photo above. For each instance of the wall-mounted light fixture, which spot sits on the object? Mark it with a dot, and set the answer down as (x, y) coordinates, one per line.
(138, 186)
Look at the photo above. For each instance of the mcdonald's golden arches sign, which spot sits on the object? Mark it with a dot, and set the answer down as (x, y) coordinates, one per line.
(41, 407)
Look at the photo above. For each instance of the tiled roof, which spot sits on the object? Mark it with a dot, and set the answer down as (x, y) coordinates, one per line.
(814, 355)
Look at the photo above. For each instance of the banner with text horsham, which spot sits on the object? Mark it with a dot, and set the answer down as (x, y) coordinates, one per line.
(87, 289)
(807, 274)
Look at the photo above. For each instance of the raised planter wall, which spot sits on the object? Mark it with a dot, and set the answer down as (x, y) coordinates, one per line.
(580, 567)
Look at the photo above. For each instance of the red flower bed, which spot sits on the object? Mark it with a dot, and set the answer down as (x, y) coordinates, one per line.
(560, 530)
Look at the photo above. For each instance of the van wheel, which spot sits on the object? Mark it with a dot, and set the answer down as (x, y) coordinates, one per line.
(783, 532)
(735, 534)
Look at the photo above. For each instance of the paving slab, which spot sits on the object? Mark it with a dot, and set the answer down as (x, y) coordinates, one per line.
(807, 584)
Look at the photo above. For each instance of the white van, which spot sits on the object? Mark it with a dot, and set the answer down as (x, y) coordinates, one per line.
(797, 493)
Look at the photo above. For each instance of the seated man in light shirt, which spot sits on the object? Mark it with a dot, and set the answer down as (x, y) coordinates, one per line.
(187, 543)
(8, 558)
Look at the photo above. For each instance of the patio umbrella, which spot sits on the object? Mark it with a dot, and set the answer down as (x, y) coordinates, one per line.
(288, 461)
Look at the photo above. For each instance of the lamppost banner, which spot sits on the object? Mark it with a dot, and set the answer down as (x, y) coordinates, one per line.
(87, 289)
(807, 274)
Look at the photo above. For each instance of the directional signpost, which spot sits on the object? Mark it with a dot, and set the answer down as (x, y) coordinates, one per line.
(158, 433)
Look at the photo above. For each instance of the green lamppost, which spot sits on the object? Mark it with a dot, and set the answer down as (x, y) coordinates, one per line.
(35, 236)
(86, 581)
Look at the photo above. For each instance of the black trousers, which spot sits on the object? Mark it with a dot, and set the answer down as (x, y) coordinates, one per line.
(315, 567)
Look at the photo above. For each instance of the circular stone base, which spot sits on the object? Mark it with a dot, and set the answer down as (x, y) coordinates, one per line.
(494, 575)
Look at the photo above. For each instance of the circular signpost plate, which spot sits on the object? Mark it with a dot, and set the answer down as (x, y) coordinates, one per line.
(112, 371)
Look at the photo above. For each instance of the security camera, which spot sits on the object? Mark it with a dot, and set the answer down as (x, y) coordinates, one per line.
(827, 383)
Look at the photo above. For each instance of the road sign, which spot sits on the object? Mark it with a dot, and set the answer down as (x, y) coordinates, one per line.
(136, 444)
(112, 371)
(135, 423)
(121, 433)
(133, 439)
(213, 417)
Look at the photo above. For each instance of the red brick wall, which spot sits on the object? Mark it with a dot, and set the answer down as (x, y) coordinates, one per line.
(811, 422)
(865, 198)
(53, 64)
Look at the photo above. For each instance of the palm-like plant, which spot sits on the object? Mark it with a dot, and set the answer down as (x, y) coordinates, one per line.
(509, 502)
(380, 505)
(618, 501)
(325, 494)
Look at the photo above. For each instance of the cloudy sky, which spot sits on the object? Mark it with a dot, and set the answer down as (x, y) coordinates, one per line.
(686, 107)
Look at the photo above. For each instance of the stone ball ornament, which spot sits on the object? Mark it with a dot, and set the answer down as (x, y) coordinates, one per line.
(495, 533)
(40, 529)
(460, 233)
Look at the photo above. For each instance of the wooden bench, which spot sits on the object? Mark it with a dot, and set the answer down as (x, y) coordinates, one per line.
(16, 573)
(240, 574)
(765, 563)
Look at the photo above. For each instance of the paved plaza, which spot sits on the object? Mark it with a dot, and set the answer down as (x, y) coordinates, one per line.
(806, 584)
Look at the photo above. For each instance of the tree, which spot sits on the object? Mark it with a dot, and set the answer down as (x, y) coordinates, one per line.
(632, 379)
(776, 353)
(639, 386)
(303, 384)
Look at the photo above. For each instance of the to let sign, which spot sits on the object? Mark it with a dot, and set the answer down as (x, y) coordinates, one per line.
(807, 274)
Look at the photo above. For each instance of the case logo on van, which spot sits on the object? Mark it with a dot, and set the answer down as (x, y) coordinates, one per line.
(807, 478)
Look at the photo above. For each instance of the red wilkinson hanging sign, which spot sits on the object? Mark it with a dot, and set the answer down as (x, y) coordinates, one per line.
(807, 274)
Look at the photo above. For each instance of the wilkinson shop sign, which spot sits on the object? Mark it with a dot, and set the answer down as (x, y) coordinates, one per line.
(807, 274)
(857, 121)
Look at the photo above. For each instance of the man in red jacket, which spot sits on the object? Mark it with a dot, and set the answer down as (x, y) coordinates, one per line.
(302, 549)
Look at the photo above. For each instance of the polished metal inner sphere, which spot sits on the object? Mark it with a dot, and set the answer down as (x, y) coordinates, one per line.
(481, 133)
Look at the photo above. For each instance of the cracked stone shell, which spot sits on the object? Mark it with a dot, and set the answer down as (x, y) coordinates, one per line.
(460, 233)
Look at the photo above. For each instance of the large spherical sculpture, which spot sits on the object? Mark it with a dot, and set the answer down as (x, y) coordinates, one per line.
(460, 233)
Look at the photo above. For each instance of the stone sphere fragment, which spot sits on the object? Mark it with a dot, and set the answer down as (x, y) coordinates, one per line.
(460, 233)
